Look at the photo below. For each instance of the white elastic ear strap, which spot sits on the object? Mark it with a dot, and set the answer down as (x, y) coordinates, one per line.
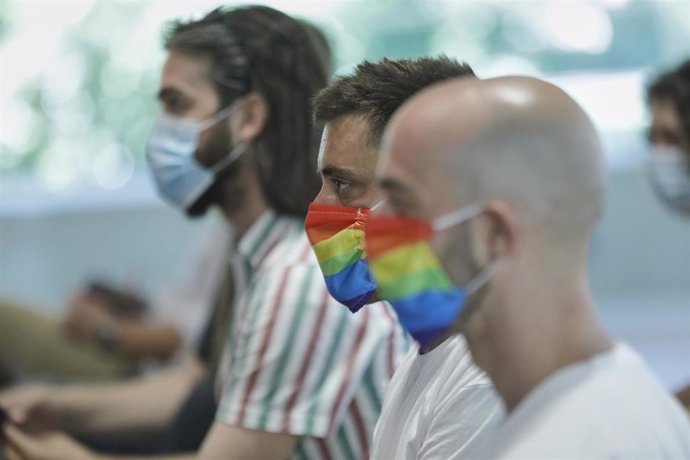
(482, 277)
(229, 158)
(456, 217)
(218, 116)
(377, 205)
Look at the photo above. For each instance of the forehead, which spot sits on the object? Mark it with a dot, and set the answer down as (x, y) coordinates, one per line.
(410, 166)
(403, 154)
(187, 73)
(345, 144)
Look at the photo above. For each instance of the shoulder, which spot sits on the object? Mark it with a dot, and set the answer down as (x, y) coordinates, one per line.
(612, 403)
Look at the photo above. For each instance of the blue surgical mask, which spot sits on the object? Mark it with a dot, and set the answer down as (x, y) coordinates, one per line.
(669, 173)
(179, 177)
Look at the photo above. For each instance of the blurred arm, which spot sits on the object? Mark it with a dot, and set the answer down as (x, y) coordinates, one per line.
(144, 404)
(141, 405)
(91, 317)
(139, 340)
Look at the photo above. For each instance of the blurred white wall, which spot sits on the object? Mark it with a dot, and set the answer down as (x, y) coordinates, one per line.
(640, 273)
(44, 256)
(640, 261)
(641, 248)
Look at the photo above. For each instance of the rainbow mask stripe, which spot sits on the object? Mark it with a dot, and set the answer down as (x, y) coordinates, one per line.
(411, 278)
(337, 236)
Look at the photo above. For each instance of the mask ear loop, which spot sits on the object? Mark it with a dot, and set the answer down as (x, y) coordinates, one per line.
(456, 217)
(236, 151)
(229, 159)
(218, 116)
(482, 277)
(378, 205)
(371, 209)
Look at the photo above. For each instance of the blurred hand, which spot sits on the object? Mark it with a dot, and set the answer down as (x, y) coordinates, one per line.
(29, 407)
(48, 446)
(85, 314)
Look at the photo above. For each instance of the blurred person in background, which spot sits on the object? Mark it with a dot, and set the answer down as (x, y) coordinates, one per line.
(300, 377)
(439, 404)
(110, 333)
(669, 137)
(503, 180)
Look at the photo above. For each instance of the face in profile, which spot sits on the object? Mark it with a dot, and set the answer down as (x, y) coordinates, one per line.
(347, 161)
(669, 162)
(337, 217)
(193, 137)
(187, 92)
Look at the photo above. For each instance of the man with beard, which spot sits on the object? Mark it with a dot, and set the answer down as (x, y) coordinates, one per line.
(300, 376)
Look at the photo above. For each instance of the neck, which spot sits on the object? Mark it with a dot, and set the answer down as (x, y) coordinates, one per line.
(242, 215)
(242, 219)
(543, 331)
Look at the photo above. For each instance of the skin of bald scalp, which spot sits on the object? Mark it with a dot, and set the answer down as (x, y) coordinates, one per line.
(528, 153)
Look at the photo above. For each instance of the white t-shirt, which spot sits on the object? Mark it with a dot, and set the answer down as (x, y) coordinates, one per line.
(439, 405)
(608, 407)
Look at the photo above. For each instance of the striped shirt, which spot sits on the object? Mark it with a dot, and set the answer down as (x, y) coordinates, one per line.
(298, 362)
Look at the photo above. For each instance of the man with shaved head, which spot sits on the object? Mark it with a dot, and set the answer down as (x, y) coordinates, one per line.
(493, 189)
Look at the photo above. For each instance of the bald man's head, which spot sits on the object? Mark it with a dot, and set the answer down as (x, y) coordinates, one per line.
(516, 139)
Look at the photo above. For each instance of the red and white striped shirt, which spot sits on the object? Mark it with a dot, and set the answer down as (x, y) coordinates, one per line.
(297, 361)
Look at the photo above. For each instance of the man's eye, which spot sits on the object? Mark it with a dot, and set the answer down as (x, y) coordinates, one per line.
(340, 186)
(175, 105)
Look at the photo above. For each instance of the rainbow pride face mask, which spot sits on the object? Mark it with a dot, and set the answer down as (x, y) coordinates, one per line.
(337, 235)
(412, 279)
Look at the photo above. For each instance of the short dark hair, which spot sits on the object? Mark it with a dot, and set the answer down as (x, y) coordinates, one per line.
(287, 61)
(377, 90)
(674, 86)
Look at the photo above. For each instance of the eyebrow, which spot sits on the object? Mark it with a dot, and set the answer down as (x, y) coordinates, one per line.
(164, 93)
(392, 185)
(394, 190)
(330, 171)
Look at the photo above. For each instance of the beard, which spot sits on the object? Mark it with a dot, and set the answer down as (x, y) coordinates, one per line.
(227, 190)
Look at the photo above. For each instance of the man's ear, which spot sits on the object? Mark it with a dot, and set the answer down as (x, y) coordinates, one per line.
(501, 229)
(249, 117)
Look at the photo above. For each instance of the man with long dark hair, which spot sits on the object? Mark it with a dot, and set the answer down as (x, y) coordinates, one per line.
(300, 376)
